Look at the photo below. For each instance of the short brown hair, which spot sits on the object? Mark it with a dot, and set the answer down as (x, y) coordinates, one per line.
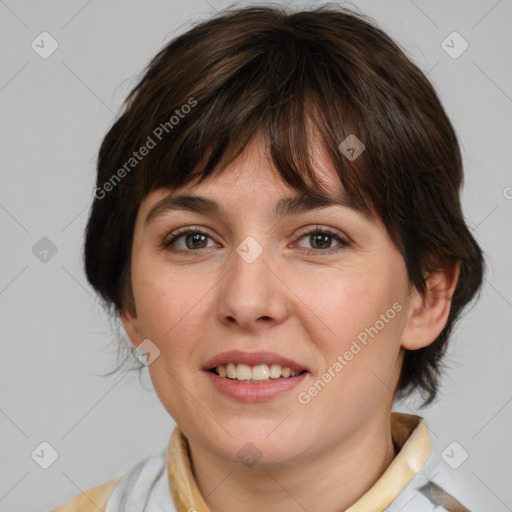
(263, 70)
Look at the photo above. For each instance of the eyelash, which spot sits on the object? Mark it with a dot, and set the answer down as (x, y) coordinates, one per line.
(315, 231)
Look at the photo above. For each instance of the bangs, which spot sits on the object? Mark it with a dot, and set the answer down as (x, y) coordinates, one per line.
(284, 96)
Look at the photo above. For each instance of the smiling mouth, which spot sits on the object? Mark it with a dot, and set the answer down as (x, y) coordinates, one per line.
(254, 374)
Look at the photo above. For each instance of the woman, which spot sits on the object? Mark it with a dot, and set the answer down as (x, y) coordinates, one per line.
(277, 224)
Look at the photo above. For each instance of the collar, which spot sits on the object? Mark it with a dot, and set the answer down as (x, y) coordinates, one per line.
(410, 435)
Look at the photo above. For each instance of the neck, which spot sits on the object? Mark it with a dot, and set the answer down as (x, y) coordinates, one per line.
(331, 481)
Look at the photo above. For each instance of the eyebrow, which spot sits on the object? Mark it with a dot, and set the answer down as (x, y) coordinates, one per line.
(283, 207)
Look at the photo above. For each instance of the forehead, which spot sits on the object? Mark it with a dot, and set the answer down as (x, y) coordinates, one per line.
(248, 183)
(252, 179)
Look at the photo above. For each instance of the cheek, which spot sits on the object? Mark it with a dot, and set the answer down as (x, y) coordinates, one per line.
(355, 323)
(168, 300)
(339, 307)
(171, 309)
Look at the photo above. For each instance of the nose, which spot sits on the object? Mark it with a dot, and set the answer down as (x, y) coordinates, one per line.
(253, 296)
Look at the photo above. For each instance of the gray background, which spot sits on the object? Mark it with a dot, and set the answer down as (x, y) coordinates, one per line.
(56, 340)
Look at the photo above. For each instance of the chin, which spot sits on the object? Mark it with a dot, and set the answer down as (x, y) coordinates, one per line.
(265, 443)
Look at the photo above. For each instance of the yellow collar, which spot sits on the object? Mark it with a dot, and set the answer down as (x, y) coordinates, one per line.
(409, 433)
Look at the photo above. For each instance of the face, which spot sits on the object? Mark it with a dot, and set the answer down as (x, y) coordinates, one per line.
(284, 330)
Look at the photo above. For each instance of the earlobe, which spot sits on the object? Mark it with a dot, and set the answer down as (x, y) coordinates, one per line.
(429, 311)
(131, 325)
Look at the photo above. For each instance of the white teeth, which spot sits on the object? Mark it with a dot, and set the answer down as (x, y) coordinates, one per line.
(259, 373)
(275, 371)
(231, 370)
(243, 372)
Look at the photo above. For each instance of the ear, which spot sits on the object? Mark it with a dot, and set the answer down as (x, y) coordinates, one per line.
(428, 312)
(131, 325)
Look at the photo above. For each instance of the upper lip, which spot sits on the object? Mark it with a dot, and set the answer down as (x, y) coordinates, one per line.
(252, 359)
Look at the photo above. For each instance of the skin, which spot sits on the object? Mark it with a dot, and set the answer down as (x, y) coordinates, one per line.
(308, 307)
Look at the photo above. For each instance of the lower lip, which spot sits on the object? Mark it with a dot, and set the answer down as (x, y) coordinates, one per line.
(255, 391)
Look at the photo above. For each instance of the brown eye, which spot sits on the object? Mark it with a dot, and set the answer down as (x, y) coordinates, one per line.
(321, 241)
(195, 241)
(188, 240)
